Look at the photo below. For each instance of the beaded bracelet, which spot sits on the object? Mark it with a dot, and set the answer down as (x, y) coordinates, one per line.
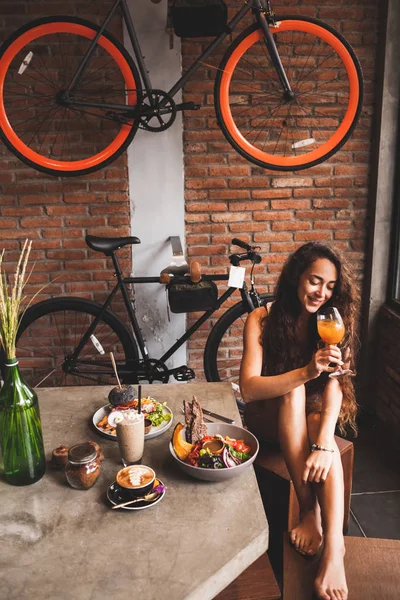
(317, 447)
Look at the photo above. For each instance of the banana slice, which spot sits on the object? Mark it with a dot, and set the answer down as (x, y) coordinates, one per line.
(116, 416)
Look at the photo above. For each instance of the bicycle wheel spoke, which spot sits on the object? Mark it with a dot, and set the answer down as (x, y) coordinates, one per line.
(249, 109)
(287, 128)
(308, 58)
(39, 79)
(316, 67)
(27, 96)
(318, 129)
(273, 80)
(318, 87)
(265, 122)
(51, 112)
(66, 70)
(44, 65)
(57, 134)
(258, 93)
(15, 111)
(35, 118)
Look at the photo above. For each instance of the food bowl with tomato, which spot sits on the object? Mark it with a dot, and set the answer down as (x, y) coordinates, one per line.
(225, 452)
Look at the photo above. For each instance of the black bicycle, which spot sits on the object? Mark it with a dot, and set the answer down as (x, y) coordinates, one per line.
(288, 92)
(67, 340)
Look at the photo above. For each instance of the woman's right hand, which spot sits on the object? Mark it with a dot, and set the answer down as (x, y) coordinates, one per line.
(323, 359)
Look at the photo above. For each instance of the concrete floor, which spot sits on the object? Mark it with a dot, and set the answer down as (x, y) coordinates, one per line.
(375, 500)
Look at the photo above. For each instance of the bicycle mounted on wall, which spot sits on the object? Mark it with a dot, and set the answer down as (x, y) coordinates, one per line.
(288, 91)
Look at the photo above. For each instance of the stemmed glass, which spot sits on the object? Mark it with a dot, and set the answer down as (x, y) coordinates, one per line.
(331, 330)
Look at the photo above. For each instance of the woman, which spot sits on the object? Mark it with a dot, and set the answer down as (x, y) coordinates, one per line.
(290, 397)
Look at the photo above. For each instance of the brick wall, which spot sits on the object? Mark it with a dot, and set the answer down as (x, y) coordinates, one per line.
(56, 213)
(226, 196)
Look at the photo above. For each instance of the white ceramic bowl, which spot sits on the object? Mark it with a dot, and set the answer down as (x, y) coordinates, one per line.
(234, 432)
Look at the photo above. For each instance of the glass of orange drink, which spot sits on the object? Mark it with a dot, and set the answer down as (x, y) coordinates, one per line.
(331, 330)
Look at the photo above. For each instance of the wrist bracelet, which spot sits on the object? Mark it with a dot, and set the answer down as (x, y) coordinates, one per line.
(315, 447)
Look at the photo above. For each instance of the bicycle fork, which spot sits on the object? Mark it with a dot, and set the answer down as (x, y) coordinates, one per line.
(265, 17)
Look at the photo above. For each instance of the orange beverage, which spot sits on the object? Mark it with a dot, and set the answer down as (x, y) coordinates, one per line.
(330, 331)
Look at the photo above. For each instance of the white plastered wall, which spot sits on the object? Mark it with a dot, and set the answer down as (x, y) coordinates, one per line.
(156, 185)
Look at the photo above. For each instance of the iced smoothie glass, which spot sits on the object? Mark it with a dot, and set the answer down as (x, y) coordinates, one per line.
(130, 437)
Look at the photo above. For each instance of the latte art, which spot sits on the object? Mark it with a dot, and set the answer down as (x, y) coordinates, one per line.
(135, 476)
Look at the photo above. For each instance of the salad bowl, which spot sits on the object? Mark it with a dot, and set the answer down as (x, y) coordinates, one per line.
(232, 431)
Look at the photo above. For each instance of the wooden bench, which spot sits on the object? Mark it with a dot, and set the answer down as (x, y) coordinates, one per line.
(257, 582)
(372, 570)
(277, 490)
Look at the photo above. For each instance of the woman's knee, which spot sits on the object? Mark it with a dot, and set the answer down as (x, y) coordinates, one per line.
(296, 397)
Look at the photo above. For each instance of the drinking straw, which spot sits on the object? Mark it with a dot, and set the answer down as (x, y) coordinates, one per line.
(115, 370)
(139, 399)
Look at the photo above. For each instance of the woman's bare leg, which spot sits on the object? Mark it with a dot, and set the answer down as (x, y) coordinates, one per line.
(294, 441)
(330, 583)
(284, 420)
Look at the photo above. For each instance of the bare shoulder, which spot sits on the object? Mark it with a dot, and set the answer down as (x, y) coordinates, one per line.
(256, 317)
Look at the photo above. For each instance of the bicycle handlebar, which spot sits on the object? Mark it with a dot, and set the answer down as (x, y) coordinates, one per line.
(250, 254)
(244, 245)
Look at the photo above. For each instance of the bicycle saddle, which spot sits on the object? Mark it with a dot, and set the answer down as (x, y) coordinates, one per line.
(109, 245)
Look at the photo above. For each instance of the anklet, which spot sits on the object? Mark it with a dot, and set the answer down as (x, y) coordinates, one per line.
(317, 447)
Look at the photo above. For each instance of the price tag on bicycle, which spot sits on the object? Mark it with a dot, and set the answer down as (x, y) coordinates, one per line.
(236, 277)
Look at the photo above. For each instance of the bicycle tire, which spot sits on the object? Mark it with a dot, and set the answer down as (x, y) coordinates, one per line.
(36, 63)
(46, 339)
(224, 347)
(279, 134)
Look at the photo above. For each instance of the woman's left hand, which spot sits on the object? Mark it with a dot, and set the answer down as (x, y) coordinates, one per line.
(317, 466)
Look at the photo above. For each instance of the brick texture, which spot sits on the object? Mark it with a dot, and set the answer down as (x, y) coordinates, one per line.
(226, 196)
(278, 211)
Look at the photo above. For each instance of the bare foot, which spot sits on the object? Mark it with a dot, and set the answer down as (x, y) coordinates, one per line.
(330, 583)
(307, 536)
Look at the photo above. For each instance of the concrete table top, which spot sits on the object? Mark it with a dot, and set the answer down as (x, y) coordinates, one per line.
(60, 543)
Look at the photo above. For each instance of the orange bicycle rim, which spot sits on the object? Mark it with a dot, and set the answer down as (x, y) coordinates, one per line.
(348, 119)
(73, 28)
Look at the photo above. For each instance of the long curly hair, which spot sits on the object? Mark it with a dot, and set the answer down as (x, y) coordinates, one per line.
(281, 351)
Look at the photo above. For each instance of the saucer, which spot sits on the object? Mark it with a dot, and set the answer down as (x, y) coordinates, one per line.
(116, 495)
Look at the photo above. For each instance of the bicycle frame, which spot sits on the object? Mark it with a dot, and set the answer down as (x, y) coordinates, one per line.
(122, 282)
(263, 14)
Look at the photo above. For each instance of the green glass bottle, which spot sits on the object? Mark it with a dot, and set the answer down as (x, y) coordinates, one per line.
(21, 436)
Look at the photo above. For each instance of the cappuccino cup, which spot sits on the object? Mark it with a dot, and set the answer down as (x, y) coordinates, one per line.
(136, 480)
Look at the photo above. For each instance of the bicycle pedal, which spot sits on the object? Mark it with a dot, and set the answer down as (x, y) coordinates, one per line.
(183, 373)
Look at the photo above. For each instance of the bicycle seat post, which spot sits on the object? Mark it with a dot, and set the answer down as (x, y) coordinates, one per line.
(118, 272)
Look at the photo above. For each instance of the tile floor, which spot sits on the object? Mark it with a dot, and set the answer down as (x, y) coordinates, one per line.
(375, 500)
